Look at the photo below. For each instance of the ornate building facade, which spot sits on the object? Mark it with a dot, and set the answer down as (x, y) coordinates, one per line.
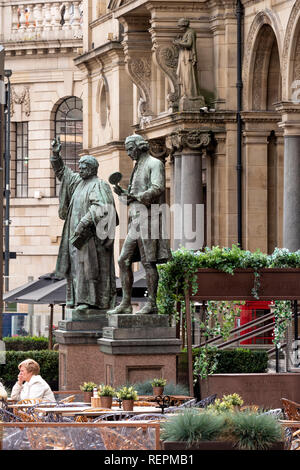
(231, 154)
(96, 72)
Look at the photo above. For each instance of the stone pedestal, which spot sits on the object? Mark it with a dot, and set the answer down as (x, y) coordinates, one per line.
(191, 104)
(136, 348)
(79, 357)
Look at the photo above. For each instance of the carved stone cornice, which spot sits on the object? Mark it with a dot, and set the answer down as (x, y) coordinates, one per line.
(138, 58)
(194, 139)
(22, 98)
(166, 58)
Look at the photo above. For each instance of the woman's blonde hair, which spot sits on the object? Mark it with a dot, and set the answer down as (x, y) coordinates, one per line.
(31, 366)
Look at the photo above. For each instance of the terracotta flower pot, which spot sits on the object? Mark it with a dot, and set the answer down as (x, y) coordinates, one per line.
(158, 391)
(87, 397)
(127, 405)
(106, 402)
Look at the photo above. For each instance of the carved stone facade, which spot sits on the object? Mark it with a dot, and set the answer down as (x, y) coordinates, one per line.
(124, 69)
(41, 41)
(148, 30)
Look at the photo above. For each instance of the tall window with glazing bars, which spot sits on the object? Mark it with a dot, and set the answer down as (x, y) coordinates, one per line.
(21, 179)
(68, 126)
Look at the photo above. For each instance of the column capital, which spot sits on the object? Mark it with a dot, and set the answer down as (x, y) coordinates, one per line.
(193, 139)
(290, 118)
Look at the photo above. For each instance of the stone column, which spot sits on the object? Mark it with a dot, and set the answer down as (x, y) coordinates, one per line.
(291, 184)
(255, 182)
(177, 225)
(192, 199)
(187, 146)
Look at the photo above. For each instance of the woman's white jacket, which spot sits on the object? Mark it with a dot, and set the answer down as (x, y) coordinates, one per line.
(36, 387)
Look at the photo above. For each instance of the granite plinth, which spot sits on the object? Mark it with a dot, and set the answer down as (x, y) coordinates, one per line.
(139, 334)
(140, 346)
(80, 332)
(90, 314)
(138, 321)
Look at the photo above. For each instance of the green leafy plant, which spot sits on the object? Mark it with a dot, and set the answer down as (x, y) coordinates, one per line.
(283, 317)
(234, 399)
(252, 431)
(180, 273)
(206, 362)
(158, 382)
(226, 403)
(210, 360)
(227, 311)
(25, 343)
(106, 391)
(191, 426)
(87, 386)
(127, 393)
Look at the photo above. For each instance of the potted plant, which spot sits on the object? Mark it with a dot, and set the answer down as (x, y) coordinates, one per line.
(158, 385)
(87, 389)
(127, 395)
(194, 429)
(231, 402)
(106, 393)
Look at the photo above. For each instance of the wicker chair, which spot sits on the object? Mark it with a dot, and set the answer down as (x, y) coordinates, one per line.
(68, 399)
(291, 409)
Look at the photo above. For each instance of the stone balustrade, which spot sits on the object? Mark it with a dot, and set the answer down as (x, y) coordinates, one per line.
(50, 21)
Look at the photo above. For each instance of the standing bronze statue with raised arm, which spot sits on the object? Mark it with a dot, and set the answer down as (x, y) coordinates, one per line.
(86, 256)
(144, 241)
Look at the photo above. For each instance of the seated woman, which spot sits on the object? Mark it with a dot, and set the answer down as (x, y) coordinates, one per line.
(3, 394)
(30, 384)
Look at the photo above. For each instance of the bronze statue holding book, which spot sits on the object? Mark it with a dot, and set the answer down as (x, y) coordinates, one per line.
(86, 252)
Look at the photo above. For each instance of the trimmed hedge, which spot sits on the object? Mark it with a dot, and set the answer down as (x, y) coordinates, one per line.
(25, 343)
(242, 361)
(48, 361)
(234, 361)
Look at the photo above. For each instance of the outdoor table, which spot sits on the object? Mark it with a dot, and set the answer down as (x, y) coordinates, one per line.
(175, 400)
(48, 405)
(118, 411)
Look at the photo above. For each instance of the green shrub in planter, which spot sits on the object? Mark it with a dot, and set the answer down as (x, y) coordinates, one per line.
(191, 426)
(243, 430)
(235, 361)
(48, 361)
(242, 361)
(253, 431)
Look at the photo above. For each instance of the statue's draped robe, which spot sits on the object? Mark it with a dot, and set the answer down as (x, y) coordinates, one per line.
(187, 65)
(90, 270)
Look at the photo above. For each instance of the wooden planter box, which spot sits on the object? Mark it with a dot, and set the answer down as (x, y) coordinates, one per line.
(210, 445)
(275, 284)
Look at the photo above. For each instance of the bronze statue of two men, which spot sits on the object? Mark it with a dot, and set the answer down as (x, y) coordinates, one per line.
(86, 252)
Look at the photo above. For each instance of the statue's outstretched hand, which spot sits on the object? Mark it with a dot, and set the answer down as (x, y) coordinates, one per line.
(56, 145)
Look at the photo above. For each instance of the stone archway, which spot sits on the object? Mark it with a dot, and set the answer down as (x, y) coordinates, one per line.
(261, 64)
(291, 53)
(266, 79)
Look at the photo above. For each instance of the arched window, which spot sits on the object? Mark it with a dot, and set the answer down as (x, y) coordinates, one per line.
(68, 126)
